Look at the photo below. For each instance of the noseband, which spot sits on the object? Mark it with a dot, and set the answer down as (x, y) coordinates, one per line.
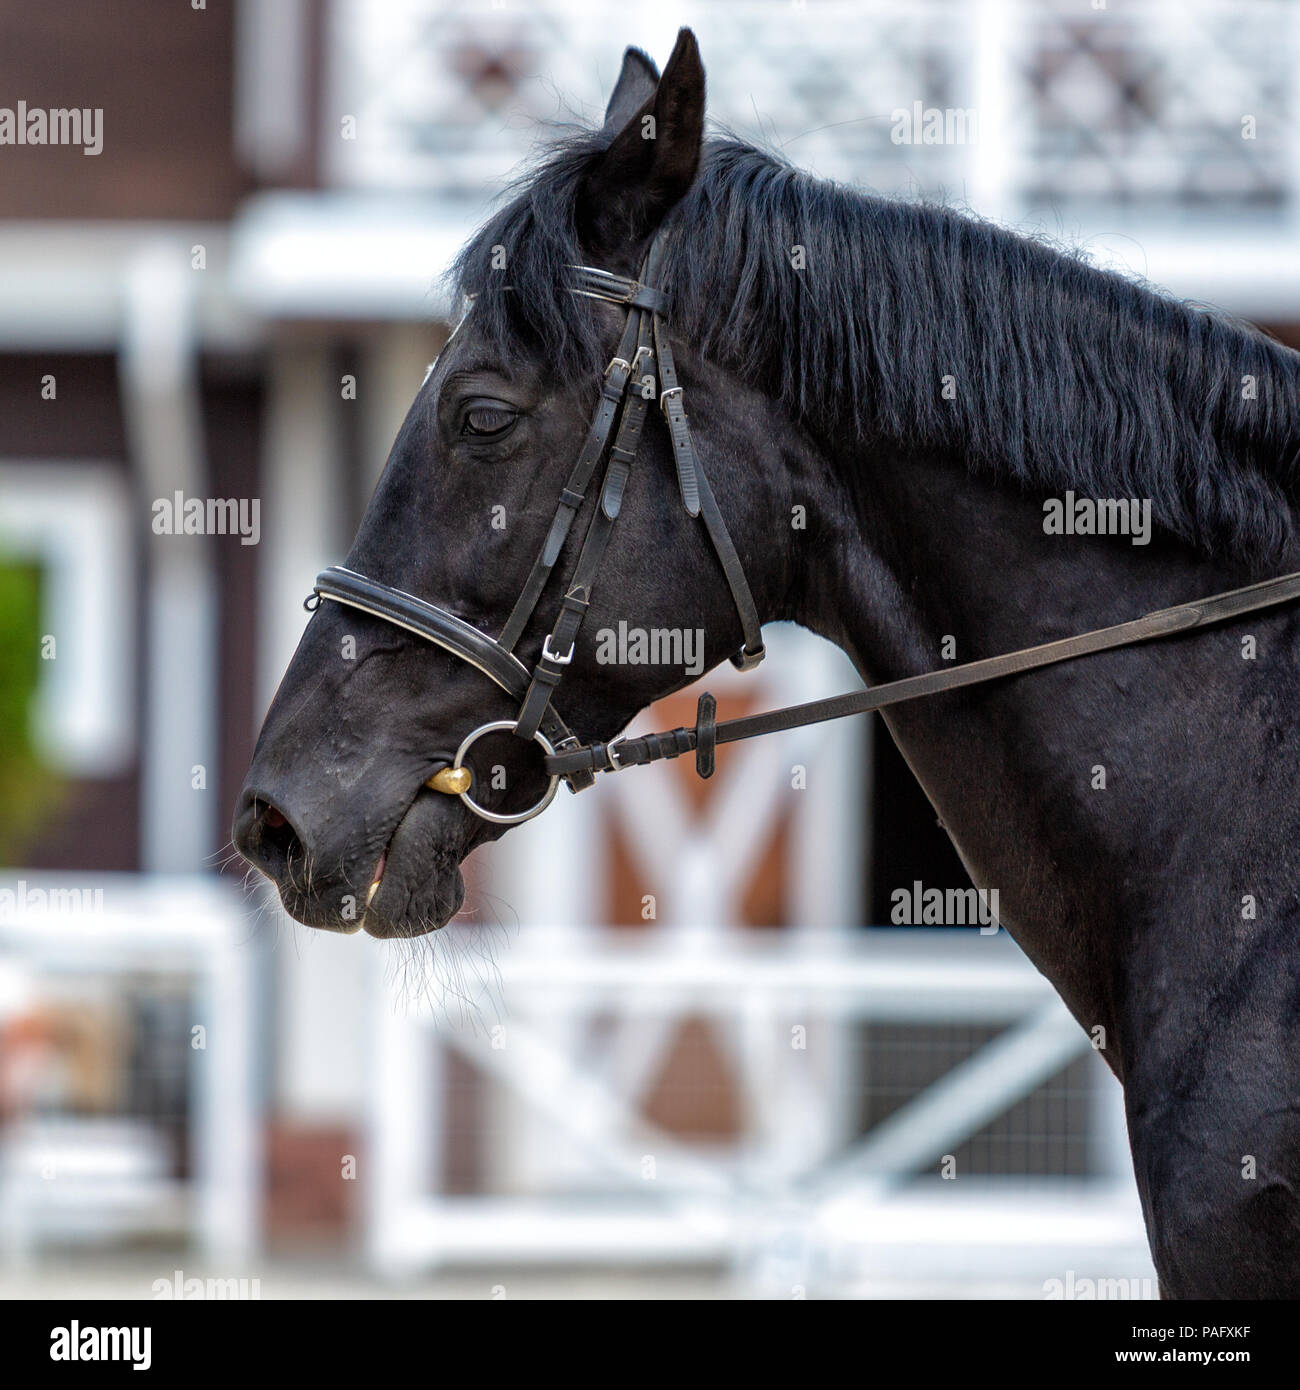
(641, 368)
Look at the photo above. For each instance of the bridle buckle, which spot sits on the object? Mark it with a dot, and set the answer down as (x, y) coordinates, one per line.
(612, 763)
(553, 657)
(746, 660)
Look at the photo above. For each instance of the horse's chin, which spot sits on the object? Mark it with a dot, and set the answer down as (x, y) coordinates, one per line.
(430, 905)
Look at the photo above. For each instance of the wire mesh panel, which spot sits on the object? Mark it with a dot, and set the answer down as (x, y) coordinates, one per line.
(1003, 104)
(1050, 1132)
(451, 98)
(1157, 103)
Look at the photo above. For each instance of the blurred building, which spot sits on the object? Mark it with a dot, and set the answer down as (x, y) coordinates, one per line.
(238, 297)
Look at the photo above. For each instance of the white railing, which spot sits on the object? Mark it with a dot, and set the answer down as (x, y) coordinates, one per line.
(784, 1215)
(1155, 134)
(575, 1022)
(1152, 102)
(65, 1176)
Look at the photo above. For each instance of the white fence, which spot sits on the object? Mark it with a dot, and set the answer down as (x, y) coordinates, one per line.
(1008, 103)
(786, 1209)
(580, 1022)
(93, 1177)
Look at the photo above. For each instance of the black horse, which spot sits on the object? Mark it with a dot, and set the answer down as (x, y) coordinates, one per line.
(913, 385)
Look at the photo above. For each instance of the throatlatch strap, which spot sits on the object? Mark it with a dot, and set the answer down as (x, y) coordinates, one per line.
(670, 402)
(698, 499)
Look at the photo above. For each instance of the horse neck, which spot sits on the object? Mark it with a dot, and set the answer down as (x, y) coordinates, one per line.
(926, 566)
(918, 552)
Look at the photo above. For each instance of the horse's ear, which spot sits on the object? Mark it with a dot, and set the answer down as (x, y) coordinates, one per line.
(649, 164)
(635, 86)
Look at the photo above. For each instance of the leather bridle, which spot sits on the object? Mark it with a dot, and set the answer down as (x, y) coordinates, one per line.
(641, 368)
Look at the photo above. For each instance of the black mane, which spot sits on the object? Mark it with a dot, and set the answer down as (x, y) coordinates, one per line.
(1066, 376)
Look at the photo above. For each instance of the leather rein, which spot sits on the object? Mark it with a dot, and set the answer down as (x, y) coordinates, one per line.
(641, 369)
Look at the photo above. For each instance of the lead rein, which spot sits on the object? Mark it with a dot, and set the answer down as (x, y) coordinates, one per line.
(625, 752)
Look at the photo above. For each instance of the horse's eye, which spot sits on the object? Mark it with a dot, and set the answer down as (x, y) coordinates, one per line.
(487, 420)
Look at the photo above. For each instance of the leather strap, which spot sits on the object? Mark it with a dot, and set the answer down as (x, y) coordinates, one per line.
(706, 734)
(670, 399)
(697, 495)
(617, 289)
(443, 629)
(624, 382)
(674, 412)
(612, 391)
(434, 624)
(751, 625)
(698, 499)
(1166, 622)
(557, 650)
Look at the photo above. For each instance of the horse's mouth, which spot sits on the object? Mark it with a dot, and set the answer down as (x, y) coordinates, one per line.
(378, 876)
(416, 886)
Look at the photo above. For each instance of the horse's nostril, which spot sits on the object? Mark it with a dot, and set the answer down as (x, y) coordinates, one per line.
(266, 838)
(278, 836)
